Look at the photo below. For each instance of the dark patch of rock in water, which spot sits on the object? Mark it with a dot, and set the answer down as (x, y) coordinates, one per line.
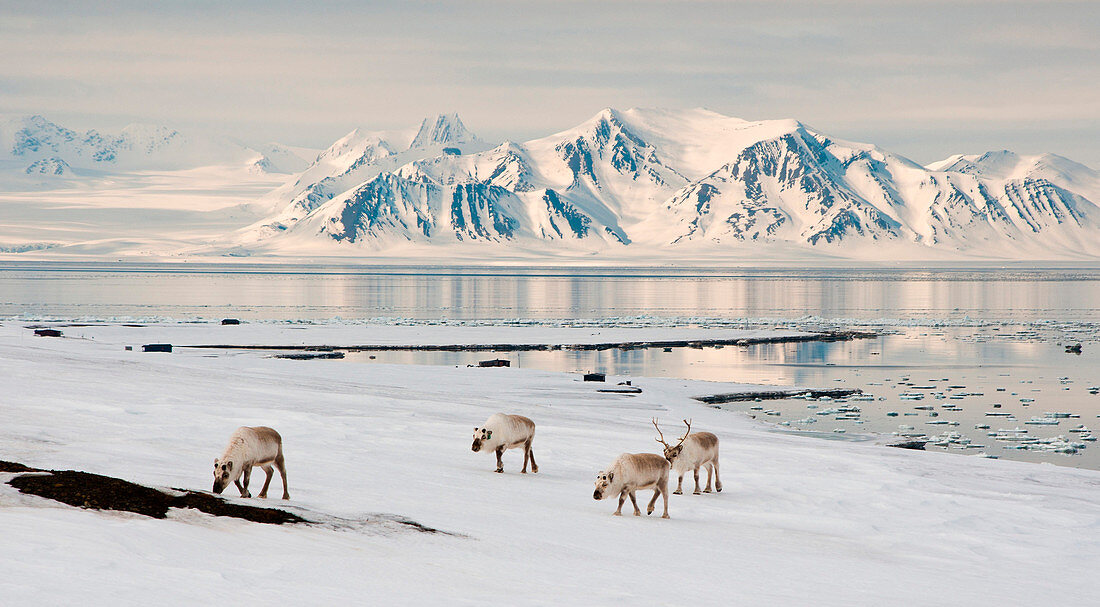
(621, 389)
(715, 399)
(312, 356)
(910, 444)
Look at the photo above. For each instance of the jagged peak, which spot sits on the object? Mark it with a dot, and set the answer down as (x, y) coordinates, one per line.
(442, 129)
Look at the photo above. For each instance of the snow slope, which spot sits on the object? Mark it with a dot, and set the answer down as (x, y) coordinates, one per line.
(801, 521)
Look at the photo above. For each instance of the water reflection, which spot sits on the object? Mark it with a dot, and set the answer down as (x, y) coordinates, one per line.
(285, 295)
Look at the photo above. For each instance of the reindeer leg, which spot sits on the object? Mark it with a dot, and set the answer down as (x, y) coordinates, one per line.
(244, 492)
(531, 454)
(267, 482)
(710, 474)
(717, 480)
(280, 463)
(679, 486)
(247, 478)
(656, 492)
(622, 498)
(697, 492)
(500, 462)
(663, 485)
(634, 501)
(526, 456)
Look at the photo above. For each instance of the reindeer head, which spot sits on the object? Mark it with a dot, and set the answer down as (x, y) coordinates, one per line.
(604, 483)
(481, 435)
(671, 452)
(223, 475)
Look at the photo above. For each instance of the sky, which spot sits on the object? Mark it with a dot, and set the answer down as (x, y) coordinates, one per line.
(923, 79)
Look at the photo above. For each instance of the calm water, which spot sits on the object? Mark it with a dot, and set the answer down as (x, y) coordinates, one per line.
(967, 339)
(282, 293)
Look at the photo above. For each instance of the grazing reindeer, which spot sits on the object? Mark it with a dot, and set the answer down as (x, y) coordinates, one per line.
(502, 432)
(248, 447)
(630, 472)
(692, 452)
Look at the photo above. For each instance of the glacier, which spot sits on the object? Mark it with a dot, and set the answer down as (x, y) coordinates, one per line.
(45, 147)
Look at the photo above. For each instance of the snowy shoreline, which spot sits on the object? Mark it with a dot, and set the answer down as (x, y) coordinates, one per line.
(801, 520)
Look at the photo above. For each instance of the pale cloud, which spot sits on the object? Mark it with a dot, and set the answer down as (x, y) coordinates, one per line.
(973, 72)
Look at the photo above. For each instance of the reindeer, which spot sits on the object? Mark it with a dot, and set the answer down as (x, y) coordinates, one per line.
(692, 452)
(502, 432)
(249, 447)
(630, 472)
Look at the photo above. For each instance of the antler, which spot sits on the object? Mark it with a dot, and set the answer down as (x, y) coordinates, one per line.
(662, 439)
(684, 437)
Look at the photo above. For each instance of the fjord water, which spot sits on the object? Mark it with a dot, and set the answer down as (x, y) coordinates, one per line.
(975, 338)
(273, 292)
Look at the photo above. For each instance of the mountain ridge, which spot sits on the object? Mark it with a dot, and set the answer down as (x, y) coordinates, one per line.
(634, 184)
(665, 180)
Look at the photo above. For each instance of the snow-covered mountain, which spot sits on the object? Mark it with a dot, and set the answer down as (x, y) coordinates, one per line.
(639, 184)
(278, 158)
(656, 182)
(36, 146)
(358, 158)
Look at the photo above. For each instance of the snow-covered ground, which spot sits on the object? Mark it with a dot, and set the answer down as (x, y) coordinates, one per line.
(801, 521)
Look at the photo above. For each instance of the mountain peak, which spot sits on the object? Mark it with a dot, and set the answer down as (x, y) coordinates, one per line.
(442, 129)
(1002, 164)
(358, 142)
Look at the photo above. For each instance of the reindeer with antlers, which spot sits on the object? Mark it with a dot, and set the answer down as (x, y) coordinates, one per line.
(694, 451)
